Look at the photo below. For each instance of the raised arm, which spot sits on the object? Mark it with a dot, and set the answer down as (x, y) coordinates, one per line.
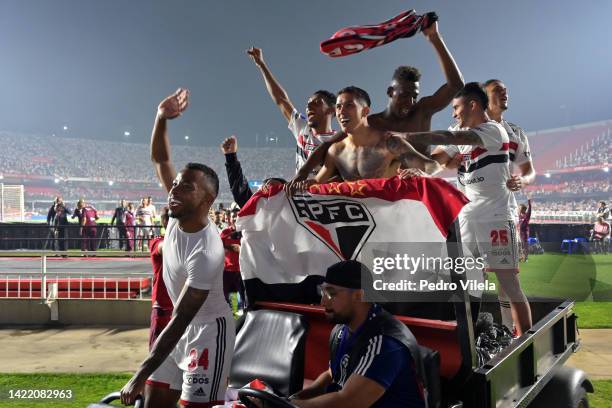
(400, 147)
(276, 91)
(239, 185)
(317, 157)
(454, 80)
(170, 108)
(444, 137)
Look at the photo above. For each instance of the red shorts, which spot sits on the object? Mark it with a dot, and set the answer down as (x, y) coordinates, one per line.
(160, 318)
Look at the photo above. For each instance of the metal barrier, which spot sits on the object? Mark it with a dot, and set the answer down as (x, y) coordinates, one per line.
(114, 276)
(15, 236)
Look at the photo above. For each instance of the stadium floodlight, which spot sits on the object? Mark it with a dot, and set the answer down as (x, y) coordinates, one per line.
(56, 180)
(606, 169)
(160, 184)
(126, 133)
(65, 127)
(547, 175)
(186, 137)
(1, 177)
(111, 182)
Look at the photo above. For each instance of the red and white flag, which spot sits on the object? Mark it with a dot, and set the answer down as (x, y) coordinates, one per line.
(286, 239)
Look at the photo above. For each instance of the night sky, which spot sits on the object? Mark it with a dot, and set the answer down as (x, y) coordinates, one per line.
(101, 67)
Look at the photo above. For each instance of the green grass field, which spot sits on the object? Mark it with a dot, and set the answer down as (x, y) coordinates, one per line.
(88, 388)
(586, 279)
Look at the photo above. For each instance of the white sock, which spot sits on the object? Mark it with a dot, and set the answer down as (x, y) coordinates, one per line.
(506, 311)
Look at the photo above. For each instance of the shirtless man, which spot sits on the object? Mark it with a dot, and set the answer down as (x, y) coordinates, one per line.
(403, 113)
(366, 152)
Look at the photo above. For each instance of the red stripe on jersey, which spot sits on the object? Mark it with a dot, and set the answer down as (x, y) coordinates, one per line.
(477, 152)
(513, 145)
(300, 141)
(504, 147)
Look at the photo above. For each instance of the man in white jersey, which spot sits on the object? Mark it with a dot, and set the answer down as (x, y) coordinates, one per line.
(487, 226)
(191, 358)
(310, 130)
(145, 214)
(520, 157)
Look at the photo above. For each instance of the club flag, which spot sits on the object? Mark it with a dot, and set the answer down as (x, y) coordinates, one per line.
(287, 239)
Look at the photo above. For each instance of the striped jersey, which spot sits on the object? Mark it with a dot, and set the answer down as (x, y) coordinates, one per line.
(483, 173)
(519, 152)
(305, 139)
(518, 148)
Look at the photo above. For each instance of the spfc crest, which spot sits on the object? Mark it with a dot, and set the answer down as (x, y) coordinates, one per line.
(343, 225)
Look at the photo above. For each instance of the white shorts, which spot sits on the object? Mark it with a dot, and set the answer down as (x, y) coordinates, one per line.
(199, 364)
(495, 241)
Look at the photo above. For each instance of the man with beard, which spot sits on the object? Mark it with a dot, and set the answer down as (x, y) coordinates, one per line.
(191, 358)
(310, 130)
(371, 361)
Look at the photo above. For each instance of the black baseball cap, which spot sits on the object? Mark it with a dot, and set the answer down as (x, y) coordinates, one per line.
(349, 274)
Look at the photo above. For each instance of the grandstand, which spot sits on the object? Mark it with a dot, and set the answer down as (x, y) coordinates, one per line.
(48, 166)
(572, 165)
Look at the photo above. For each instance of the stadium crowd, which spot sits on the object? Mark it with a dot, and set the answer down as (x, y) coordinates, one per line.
(596, 151)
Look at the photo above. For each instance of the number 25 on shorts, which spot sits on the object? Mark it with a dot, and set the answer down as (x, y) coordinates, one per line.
(499, 237)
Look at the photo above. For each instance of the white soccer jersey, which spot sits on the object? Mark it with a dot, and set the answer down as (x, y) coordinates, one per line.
(518, 150)
(196, 259)
(483, 173)
(305, 139)
(148, 214)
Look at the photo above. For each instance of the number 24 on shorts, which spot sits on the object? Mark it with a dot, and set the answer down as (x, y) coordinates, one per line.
(195, 362)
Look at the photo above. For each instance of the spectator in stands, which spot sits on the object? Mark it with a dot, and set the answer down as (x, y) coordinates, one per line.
(600, 235)
(130, 227)
(524, 216)
(217, 220)
(161, 311)
(232, 280)
(603, 211)
(119, 216)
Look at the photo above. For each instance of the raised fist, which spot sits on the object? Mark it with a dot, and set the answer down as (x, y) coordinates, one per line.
(229, 145)
(256, 55)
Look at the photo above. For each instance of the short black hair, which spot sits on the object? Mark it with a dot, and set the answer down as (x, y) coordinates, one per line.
(357, 93)
(209, 174)
(602, 202)
(406, 73)
(491, 81)
(473, 91)
(328, 97)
